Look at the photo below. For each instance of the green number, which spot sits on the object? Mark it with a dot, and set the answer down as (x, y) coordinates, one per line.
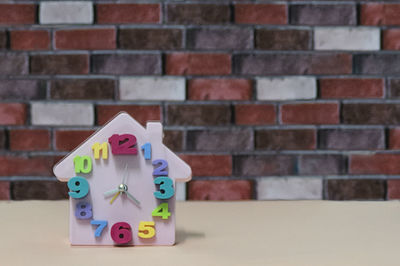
(161, 211)
(80, 162)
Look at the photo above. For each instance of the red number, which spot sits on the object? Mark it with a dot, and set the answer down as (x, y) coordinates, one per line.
(123, 144)
(121, 233)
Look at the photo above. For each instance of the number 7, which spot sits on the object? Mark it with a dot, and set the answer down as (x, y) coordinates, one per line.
(101, 224)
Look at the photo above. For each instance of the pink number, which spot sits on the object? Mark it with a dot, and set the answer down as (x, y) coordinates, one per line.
(121, 233)
(123, 144)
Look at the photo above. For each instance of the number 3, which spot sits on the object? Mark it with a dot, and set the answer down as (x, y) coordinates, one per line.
(166, 187)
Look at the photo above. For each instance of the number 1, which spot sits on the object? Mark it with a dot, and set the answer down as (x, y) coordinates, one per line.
(147, 150)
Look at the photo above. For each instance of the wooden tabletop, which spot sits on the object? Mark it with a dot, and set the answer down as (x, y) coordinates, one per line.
(218, 233)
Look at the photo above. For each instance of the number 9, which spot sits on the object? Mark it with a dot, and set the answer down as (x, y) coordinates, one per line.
(121, 233)
(79, 187)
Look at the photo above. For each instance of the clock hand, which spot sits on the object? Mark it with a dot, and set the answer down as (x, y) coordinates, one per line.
(125, 177)
(132, 198)
(116, 195)
(110, 192)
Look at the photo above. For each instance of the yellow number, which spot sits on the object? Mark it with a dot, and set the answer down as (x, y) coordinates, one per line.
(80, 162)
(146, 230)
(103, 147)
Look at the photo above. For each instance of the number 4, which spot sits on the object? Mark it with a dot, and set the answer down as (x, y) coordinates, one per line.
(161, 211)
(101, 226)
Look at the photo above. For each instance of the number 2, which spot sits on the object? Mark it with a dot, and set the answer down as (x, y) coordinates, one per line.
(162, 169)
(123, 144)
(166, 187)
(101, 225)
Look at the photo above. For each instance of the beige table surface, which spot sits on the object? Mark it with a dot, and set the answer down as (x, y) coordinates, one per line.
(218, 233)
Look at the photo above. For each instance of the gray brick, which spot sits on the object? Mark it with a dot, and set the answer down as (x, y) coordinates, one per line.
(126, 64)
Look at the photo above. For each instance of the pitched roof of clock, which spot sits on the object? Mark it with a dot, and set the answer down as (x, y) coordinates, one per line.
(178, 169)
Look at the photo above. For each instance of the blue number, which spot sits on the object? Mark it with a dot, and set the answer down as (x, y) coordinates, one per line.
(162, 169)
(101, 225)
(79, 187)
(147, 150)
(166, 187)
(83, 210)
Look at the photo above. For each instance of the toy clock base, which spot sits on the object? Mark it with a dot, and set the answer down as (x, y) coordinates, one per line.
(121, 184)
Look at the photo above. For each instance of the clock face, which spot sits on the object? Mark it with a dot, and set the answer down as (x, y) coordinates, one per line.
(122, 186)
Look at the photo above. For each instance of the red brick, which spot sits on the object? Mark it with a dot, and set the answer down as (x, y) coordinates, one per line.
(198, 115)
(142, 113)
(255, 114)
(27, 166)
(29, 139)
(12, 114)
(391, 39)
(220, 89)
(198, 64)
(61, 64)
(197, 14)
(394, 139)
(385, 164)
(67, 140)
(85, 39)
(380, 14)
(17, 14)
(209, 165)
(30, 40)
(261, 14)
(220, 190)
(393, 189)
(310, 113)
(4, 190)
(39, 190)
(285, 139)
(351, 88)
(128, 13)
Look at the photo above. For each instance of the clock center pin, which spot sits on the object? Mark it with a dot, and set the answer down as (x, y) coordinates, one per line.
(123, 188)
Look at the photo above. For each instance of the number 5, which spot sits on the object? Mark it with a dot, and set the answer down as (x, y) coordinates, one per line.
(146, 230)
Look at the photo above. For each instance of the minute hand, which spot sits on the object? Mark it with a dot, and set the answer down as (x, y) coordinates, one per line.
(132, 198)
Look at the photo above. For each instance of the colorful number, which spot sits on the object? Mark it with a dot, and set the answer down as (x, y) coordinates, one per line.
(103, 147)
(161, 211)
(162, 169)
(147, 150)
(166, 187)
(121, 233)
(101, 225)
(79, 187)
(80, 162)
(123, 144)
(146, 230)
(83, 210)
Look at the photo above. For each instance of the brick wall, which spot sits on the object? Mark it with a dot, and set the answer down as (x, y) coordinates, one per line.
(265, 100)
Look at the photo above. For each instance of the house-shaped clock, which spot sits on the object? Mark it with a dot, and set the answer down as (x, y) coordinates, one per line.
(121, 184)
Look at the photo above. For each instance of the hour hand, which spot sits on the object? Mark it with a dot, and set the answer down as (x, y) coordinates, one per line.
(110, 192)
